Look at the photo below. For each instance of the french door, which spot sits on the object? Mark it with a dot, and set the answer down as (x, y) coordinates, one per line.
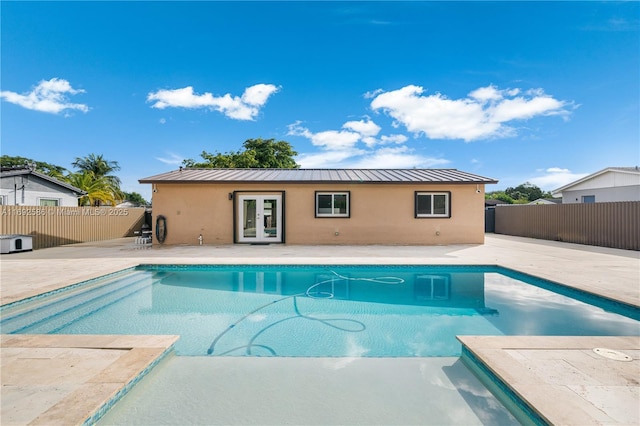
(259, 218)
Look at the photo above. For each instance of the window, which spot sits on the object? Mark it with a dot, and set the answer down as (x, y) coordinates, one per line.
(588, 198)
(433, 204)
(2, 203)
(332, 204)
(49, 202)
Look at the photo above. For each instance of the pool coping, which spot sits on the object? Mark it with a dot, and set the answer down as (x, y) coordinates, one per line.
(561, 379)
(73, 379)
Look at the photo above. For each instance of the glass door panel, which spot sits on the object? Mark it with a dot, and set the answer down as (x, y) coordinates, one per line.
(270, 221)
(249, 218)
(260, 218)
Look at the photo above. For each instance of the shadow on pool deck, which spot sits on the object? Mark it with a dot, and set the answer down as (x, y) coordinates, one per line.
(608, 272)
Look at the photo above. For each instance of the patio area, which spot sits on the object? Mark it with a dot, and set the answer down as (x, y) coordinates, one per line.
(575, 375)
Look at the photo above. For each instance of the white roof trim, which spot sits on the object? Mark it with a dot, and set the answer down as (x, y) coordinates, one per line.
(628, 170)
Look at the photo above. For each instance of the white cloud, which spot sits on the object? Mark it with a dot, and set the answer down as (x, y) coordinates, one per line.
(523, 109)
(485, 94)
(48, 96)
(171, 159)
(364, 127)
(481, 115)
(340, 148)
(372, 94)
(327, 159)
(554, 178)
(245, 107)
(395, 158)
(328, 139)
(393, 139)
(258, 94)
(352, 132)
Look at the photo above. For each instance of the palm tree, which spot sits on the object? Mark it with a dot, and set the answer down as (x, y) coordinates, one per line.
(95, 176)
(100, 190)
(100, 167)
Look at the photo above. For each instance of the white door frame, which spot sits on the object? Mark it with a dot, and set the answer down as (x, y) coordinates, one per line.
(266, 228)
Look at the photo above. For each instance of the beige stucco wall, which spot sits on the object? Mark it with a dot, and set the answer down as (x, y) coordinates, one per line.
(380, 214)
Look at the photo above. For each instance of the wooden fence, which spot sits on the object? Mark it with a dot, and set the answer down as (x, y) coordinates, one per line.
(55, 226)
(614, 225)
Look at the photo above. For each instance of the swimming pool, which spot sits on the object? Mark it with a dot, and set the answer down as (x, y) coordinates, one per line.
(319, 311)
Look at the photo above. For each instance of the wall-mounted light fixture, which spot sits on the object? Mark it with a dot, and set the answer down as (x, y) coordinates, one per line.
(231, 196)
(477, 189)
(154, 188)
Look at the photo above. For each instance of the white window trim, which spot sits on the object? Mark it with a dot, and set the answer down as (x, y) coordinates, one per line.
(447, 211)
(58, 200)
(438, 287)
(333, 194)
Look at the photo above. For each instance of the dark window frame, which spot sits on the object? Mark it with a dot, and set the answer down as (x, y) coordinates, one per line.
(332, 215)
(446, 215)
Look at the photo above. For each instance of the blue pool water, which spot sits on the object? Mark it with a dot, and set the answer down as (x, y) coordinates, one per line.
(311, 311)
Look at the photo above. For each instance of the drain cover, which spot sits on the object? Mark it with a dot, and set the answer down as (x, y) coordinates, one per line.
(611, 354)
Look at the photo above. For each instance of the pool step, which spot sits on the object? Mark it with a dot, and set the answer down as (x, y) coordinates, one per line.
(70, 307)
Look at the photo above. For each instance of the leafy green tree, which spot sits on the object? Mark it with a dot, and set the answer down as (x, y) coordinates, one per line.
(52, 170)
(258, 153)
(229, 160)
(271, 154)
(526, 192)
(499, 195)
(100, 190)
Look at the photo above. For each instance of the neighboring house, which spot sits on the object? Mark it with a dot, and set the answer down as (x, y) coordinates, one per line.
(318, 206)
(26, 187)
(128, 205)
(491, 203)
(546, 201)
(610, 184)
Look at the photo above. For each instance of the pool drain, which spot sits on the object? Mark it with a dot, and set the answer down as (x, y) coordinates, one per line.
(611, 354)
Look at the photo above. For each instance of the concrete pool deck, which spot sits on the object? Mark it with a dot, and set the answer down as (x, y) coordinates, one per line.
(607, 272)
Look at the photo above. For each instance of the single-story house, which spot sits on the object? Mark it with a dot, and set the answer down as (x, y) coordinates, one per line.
(129, 205)
(318, 206)
(491, 203)
(607, 185)
(546, 201)
(23, 186)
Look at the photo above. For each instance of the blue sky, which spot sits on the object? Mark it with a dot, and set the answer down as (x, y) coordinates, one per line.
(544, 92)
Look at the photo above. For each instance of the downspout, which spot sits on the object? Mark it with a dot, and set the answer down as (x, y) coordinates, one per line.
(22, 194)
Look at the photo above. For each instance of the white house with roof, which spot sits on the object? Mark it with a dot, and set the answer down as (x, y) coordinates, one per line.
(24, 186)
(607, 185)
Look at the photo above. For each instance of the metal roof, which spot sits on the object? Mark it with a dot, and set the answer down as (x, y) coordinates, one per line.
(319, 176)
(5, 173)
